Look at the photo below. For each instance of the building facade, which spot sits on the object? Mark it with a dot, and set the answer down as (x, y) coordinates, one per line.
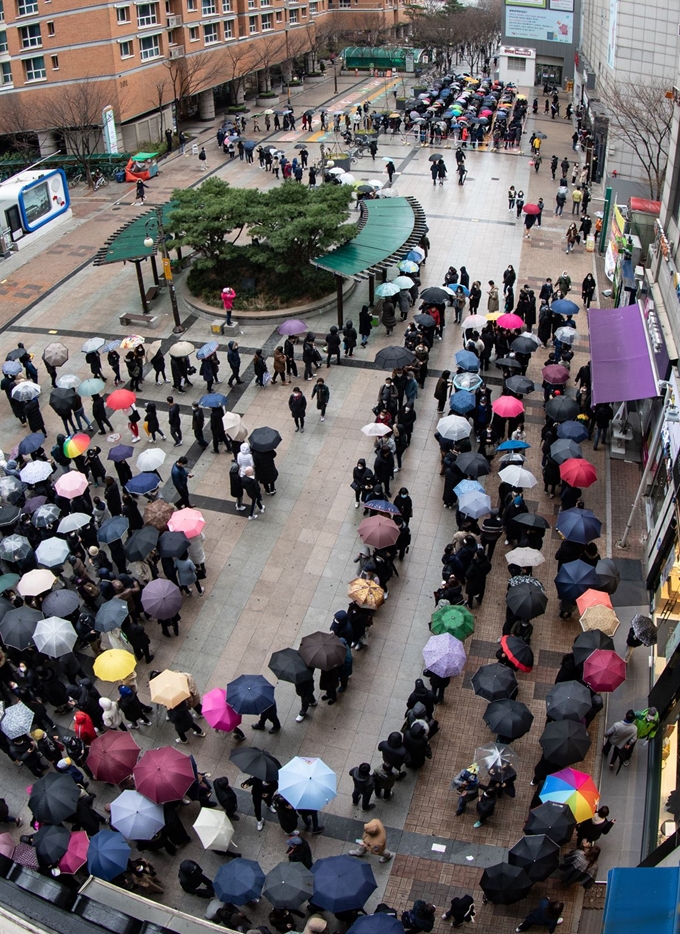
(552, 29)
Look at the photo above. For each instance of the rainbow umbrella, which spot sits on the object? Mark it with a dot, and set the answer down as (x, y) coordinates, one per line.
(75, 445)
(574, 788)
(217, 711)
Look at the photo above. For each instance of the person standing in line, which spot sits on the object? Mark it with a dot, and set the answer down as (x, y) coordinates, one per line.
(203, 159)
(252, 488)
(268, 715)
(174, 420)
(364, 786)
(492, 303)
(462, 909)
(234, 361)
(365, 324)
(261, 791)
(151, 423)
(99, 414)
(197, 423)
(297, 403)
(323, 395)
(181, 719)
(595, 827)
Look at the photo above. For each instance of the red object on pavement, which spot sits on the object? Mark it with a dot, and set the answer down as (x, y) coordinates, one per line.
(604, 670)
(578, 472)
(507, 406)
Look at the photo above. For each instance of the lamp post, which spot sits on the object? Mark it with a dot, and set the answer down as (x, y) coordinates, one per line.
(335, 77)
(289, 62)
(167, 269)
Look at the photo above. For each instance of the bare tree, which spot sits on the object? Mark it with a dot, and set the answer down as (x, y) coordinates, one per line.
(237, 64)
(267, 52)
(640, 115)
(161, 88)
(191, 74)
(319, 36)
(16, 122)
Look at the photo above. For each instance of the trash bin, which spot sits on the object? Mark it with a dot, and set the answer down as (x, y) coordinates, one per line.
(217, 327)
(120, 175)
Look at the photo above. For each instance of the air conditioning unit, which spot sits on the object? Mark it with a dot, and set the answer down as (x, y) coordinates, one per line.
(174, 22)
(176, 51)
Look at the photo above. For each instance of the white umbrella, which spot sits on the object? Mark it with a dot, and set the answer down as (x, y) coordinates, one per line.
(52, 553)
(525, 557)
(54, 636)
(73, 522)
(25, 391)
(375, 182)
(94, 343)
(336, 170)
(388, 193)
(35, 471)
(474, 321)
(135, 816)
(181, 349)
(375, 430)
(68, 381)
(454, 428)
(231, 420)
(404, 282)
(518, 476)
(151, 460)
(214, 829)
(346, 178)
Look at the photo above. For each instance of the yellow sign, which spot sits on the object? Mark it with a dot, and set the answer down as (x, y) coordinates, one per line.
(167, 269)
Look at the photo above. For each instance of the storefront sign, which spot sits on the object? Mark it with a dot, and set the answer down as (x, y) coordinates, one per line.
(611, 36)
(612, 255)
(109, 128)
(657, 340)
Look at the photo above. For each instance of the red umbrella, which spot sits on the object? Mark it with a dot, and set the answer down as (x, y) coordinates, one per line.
(531, 209)
(555, 374)
(510, 322)
(378, 531)
(121, 399)
(578, 472)
(163, 775)
(112, 757)
(76, 854)
(507, 406)
(604, 670)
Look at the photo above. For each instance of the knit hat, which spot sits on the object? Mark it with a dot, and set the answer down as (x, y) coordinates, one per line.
(63, 764)
(125, 691)
(38, 734)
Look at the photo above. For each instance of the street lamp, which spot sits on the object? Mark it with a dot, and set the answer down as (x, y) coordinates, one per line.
(167, 269)
(335, 77)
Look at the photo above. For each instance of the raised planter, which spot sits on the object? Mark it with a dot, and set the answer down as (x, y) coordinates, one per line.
(267, 101)
(314, 79)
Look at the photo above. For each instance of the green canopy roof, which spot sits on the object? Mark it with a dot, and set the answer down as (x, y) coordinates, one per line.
(127, 245)
(390, 228)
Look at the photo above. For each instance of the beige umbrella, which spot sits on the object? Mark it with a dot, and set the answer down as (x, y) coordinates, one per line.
(366, 594)
(169, 688)
(239, 434)
(36, 582)
(603, 618)
(231, 420)
(214, 829)
(525, 557)
(181, 349)
(158, 513)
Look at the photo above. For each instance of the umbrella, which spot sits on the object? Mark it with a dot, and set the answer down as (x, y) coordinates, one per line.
(458, 621)
(288, 885)
(608, 575)
(510, 322)
(497, 756)
(93, 344)
(73, 522)
(523, 344)
(603, 671)
(531, 209)
(366, 594)
(292, 326)
(51, 843)
(538, 855)
(6, 845)
(574, 788)
(474, 505)
(76, 853)
(565, 742)
(469, 381)
(454, 428)
(71, 484)
(555, 374)
(526, 600)
(468, 486)
(588, 642)
(169, 688)
(53, 798)
(375, 430)
(36, 471)
(239, 881)
(644, 629)
(564, 306)
(251, 693)
(121, 399)
(162, 599)
(181, 349)
(54, 636)
(474, 321)
(25, 855)
(386, 290)
(213, 829)
(8, 515)
(288, 665)
(465, 360)
(112, 757)
(111, 615)
(342, 883)
(575, 431)
(256, 762)
(508, 718)
(121, 452)
(91, 387)
(15, 548)
(568, 700)
(561, 408)
(131, 342)
(322, 650)
(108, 855)
(435, 295)
(31, 443)
(578, 472)
(462, 402)
(378, 531)
(473, 465)
(382, 505)
(512, 445)
(505, 884)
(525, 557)
(603, 618)
(521, 385)
(189, 522)
(573, 578)
(307, 783)
(56, 354)
(518, 476)
(390, 358)
(69, 381)
(136, 817)
(435, 157)
(114, 665)
(35, 582)
(45, 516)
(158, 514)
(592, 598)
(578, 525)
(112, 530)
(444, 655)
(8, 582)
(12, 368)
(563, 450)
(143, 483)
(213, 400)
(217, 711)
(207, 350)
(52, 553)
(25, 391)
(404, 282)
(553, 819)
(18, 719)
(518, 652)
(141, 543)
(495, 682)
(427, 321)
(173, 544)
(407, 266)
(264, 439)
(163, 775)
(566, 335)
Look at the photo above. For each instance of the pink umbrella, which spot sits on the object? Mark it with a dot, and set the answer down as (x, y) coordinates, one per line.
(555, 374)
(76, 854)
(217, 711)
(507, 406)
(189, 521)
(510, 322)
(604, 670)
(163, 775)
(6, 845)
(71, 484)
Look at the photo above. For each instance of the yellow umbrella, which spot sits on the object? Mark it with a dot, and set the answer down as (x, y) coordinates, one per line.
(214, 829)
(169, 688)
(114, 665)
(493, 315)
(603, 618)
(366, 594)
(36, 582)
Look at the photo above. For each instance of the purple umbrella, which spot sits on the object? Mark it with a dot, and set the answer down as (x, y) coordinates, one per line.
(444, 655)
(382, 505)
(293, 326)
(161, 599)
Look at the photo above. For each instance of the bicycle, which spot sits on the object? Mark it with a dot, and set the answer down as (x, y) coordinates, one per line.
(75, 180)
(100, 181)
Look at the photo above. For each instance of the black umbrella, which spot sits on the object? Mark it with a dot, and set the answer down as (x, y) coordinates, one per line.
(509, 363)
(553, 819)
(256, 762)
(532, 520)
(505, 884)
(561, 409)
(495, 682)
(644, 629)
(508, 718)
(112, 530)
(473, 465)
(110, 615)
(587, 642)
(141, 543)
(568, 700)
(51, 842)
(17, 626)
(563, 449)
(574, 578)
(608, 575)
(288, 885)
(537, 855)
(8, 515)
(172, 544)
(288, 665)
(60, 603)
(322, 650)
(520, 385)
(435, 295)
(565, 742)
(53, 798)
(523, 345)
(391, 358)
(435, 157)
(264, 439)
(61, 400)
(526, 600)
(427, 321)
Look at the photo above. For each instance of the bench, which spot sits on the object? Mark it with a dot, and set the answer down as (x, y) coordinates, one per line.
(152, 292)
(151, 321)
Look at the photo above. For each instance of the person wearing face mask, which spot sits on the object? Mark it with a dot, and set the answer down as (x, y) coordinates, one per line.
(234, 361)
(404, 504)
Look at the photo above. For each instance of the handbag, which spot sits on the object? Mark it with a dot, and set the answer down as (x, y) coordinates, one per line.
(134, 417)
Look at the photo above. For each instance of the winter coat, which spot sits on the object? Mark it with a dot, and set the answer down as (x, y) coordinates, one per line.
(112, 715)
(388, 316)
(375, 837)
(181, 717)
(186, 571)
(350, 336)
(333, 340)
(297, 403)
(265, 468)
(493, 301)
(226, 796)
(279, 361)
(83, 727)
(365, 322)
(244, 459)
(322, 393)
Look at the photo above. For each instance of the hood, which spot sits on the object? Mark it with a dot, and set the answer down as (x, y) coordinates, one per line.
(81, 717)
(316, 925)
(340, 616)
(60, 440)
(394, 740)
(373, 828)
(419, 711)
(230, 345)
(105, 703)
(245, 448)
(417, 730)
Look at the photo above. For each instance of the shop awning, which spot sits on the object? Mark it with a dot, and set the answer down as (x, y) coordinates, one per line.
(621, 360)
(642, 901)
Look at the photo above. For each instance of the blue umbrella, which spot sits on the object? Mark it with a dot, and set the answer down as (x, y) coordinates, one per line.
(513, 446)
(307, 783)
(135, 816)
(142, 483)
(239, 881)
(108, 855)
(120, 452)
(564, 307)
(468, 381)
(112, 530)
(206, 350)
(579, 525)
(377, 924)
(110, 615)
(12, 368)
(574, 431)
(456, 286)
(31, 443)
(462, 402)
(466, 360)
(414, 257)
(574, 578)
(468, 486)
(381, 505)
(212, 400)
(112, 345)
(250, 694)
(342, 883)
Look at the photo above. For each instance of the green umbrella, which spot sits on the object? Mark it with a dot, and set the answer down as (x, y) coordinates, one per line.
(458, 621)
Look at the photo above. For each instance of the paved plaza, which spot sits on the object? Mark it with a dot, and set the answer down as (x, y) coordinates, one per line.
(272, 581)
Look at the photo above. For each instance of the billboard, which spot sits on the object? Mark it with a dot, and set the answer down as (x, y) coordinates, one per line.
(530, 22)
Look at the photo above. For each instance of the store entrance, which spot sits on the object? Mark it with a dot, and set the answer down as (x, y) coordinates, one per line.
(550, 73)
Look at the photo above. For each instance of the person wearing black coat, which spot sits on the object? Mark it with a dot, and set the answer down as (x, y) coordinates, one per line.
(308, 357)
(193, 880)
(219, 435)
(297, 403)
(112, 497)
(132, 513)
(333, 344)
(131, 706)
(350, 338)
(260, 367)
(329, 682)
(462, 909)
(569, 496)
(421, 694)
(138, 639)
(360, 475)
(226, 797)
(180, 717)
(439, 685)
(85, 817)
(299, 851)
(383, 468)
(265, 470)
(417, 746)
(236, 487)
(99, 414)
(365, 324)
(124, 472)
(394, 753)
(305, 691)
(234, 361)
(33, 414)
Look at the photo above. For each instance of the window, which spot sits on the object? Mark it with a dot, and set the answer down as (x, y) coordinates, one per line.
(50, 29)
(208, 7)
(252, 24)
(293, 17)
(123, 14)
(194, 34)
(229, 30)
(303, 12)
(147, 14)
(3, 41)
(26, 7)
(126, 50)
(2, 11)
(34, 69)
(267, 21)
(516, 64)
(345, 3)
(55, 62)
(211, 34)
(252, 4)
(30, 36)
(279, 16)
(168, 8)
(313, 7)
(191, 6)
(6, 73)
(149, 47)
(227, 6)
